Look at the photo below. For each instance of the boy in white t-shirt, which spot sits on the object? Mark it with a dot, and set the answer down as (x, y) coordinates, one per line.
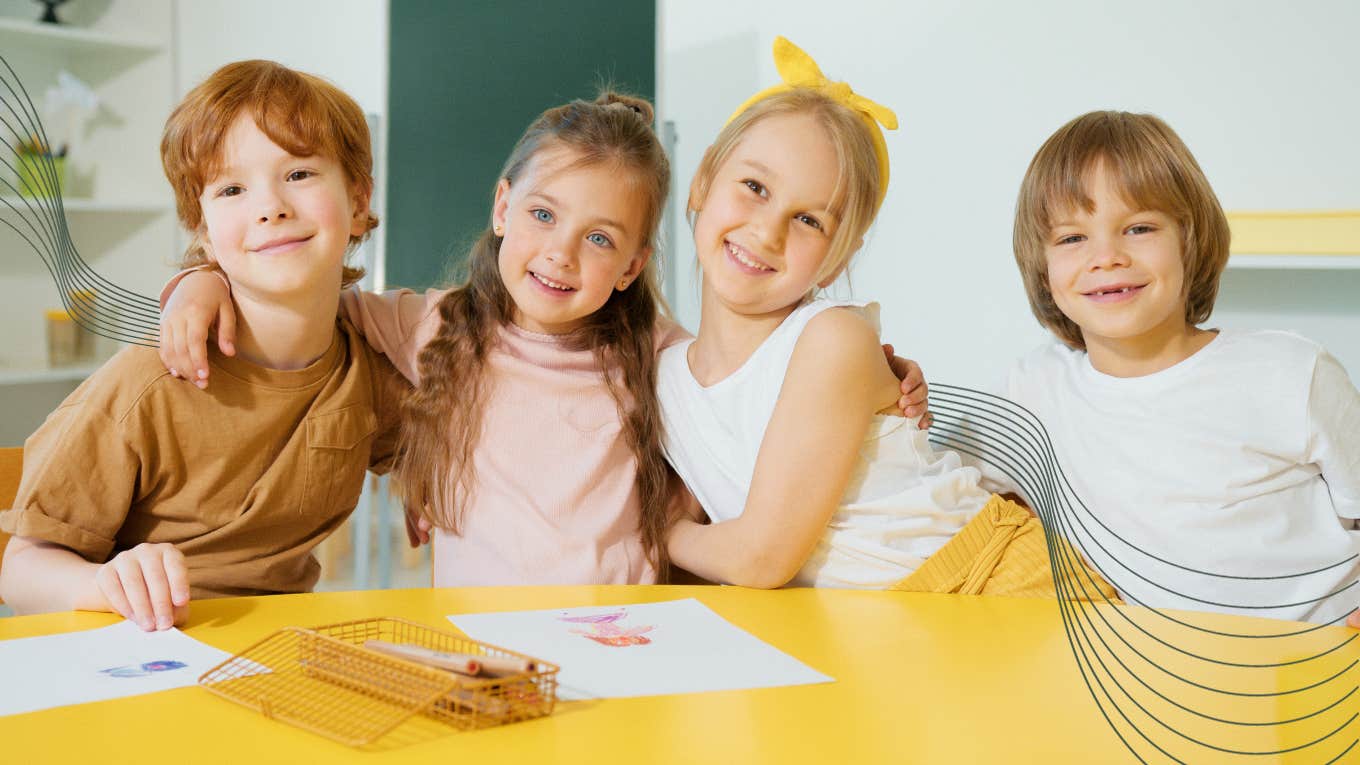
(1210, 470)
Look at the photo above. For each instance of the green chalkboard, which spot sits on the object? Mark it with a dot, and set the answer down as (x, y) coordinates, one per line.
(466, 78)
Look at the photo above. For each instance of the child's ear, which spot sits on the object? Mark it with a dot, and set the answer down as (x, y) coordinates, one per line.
(500, 207)
(358, 225)
(831, 279)
(635, 267)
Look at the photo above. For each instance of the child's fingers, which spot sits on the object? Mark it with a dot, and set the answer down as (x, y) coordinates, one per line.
(1354, 620)
(196, 346)
(910, 408)
(226, 329)
(133, 585)
(176, 575)
(914, 381)
(166, 348)
(157, 590)
(106, 579)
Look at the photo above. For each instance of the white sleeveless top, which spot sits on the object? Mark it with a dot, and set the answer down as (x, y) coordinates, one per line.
(904, 500)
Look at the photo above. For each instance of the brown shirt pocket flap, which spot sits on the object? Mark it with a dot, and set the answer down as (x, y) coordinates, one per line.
(341, 429)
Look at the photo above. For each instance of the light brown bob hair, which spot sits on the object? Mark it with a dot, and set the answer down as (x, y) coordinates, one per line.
(1153, 170)
(301, 113)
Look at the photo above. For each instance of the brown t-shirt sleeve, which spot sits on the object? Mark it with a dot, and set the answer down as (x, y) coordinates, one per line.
(80, 475)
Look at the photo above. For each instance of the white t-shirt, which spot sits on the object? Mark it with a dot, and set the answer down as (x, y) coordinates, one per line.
(1239, 468)
(904, 500)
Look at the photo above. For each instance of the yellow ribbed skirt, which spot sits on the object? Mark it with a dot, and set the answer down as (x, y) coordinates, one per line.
(1004, 551)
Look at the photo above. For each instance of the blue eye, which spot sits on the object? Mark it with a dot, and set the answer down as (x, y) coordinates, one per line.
(600, 240)
(1141, 228)
(1071, 239)
(541, 215)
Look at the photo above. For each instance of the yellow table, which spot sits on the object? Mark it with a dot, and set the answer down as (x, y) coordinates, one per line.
(919, 678)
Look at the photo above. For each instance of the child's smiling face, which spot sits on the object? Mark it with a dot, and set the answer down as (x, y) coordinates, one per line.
(764, 229)
(277, 224)
(572, 235)
(1117, 272)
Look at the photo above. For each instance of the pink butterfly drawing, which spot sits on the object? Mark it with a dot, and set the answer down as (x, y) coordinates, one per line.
(604, 629)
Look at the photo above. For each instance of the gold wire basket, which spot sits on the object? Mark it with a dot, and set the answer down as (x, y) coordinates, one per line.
(325, 681)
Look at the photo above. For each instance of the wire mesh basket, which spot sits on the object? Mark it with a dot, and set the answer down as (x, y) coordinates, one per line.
(324, 680)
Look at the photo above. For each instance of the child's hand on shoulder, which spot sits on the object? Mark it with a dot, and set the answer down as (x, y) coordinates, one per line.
(199, 299)
(1354, 620)
(915, 400)
(148, 584)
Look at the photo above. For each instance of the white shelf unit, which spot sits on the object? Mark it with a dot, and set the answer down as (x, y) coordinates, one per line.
(117, 205)
(92, 206)
(34, 34)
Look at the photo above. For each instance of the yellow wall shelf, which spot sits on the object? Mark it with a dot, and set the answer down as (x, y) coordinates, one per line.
(1288, 239)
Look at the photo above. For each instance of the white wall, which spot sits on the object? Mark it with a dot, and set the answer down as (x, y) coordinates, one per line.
(344, 41)
(1266, 94)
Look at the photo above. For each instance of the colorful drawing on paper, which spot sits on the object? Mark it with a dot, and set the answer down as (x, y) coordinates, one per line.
(608, 629)
(144, 669)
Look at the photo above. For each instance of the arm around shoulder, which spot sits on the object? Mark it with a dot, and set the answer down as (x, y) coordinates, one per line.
(396, 323)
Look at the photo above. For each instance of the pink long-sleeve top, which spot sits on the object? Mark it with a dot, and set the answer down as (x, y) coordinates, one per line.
(555, 500)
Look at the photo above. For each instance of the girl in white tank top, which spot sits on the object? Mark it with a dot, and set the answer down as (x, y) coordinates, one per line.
(773, 413)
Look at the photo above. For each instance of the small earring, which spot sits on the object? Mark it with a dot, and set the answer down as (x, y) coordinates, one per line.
(623, 285)
(498, 230)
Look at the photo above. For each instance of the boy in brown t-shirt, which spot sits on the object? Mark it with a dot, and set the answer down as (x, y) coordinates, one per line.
(139, 492)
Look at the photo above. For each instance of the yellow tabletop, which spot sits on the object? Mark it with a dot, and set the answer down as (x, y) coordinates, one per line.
(919, 678)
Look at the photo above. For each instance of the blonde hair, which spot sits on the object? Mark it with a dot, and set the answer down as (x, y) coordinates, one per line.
(442, 417)
(1153, 170)
(301, 113)
(857, 195)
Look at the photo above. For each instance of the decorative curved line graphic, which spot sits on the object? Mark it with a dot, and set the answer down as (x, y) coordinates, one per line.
(35, 212)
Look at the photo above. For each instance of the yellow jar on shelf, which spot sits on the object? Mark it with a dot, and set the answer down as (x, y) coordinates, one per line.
(41, 176)
(67, 342)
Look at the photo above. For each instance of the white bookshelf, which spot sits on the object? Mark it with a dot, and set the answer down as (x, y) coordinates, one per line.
(16, 33)
(92, 206)
(117, 205)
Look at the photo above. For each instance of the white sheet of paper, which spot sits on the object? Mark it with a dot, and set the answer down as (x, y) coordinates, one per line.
(77, 667)
(678, 646)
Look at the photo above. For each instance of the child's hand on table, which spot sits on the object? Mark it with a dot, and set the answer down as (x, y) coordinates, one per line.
(148, 584)
(198, 299)
(915, 393)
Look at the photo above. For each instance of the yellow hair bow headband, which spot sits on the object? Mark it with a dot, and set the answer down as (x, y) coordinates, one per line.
(798, 70)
